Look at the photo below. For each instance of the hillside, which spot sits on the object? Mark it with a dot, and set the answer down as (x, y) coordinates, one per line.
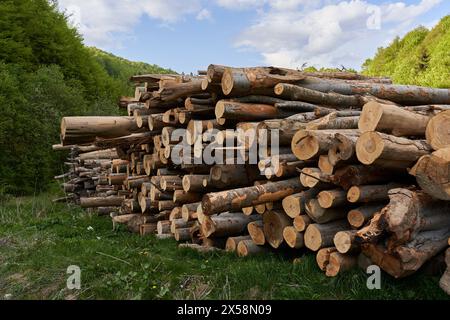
(421, 57)
(46, 73)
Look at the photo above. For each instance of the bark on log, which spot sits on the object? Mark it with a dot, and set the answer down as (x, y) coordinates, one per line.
(391, 119)
(373, 146)
(293, 92)
(332, 198)
(345, 242)
(360, 216)
(248, 248)
(230, 225)
(229, 109)
(307, 144)
(319, 236)
(323, 257)
(301, 222)
(370, 193)
(250, 196)
(182, 234)
(432, 173)
(100, 202)
(247, 81)
(323, 215)
(339, 263)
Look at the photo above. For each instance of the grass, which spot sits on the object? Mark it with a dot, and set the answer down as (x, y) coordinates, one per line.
(39, 240)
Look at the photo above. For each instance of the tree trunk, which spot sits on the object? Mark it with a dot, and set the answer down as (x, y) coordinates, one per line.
(182, 234)
(360, 216)
(182, 197)
(293, 238)
(345, 242)
(432, 173)
(332, 198)
(261, 80)
(323, 257)
(322, 215)
(372, 146)
(229, 109)
(370, 193)
(274, 224)
(256, 232)
(301, 222)
(248, 248)
(101, 202)
(189, 211)
(437, 133)
(147, 228)
(392, 119)
(163, 227)
(244, 197)
(339, 263)
(230, 225)
(294, 205)
(293, 92)
(321, 235)
(308, 144)
(232, 242)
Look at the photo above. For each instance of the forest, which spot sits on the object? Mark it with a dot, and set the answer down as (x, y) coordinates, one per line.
(46, 73)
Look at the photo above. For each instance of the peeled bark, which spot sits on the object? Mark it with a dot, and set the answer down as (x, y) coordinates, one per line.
(244, 197)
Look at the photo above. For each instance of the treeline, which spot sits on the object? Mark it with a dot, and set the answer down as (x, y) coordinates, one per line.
(421, 57)
(45, 73)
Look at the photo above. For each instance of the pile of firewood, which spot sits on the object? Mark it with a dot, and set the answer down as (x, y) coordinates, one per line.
(353, 168)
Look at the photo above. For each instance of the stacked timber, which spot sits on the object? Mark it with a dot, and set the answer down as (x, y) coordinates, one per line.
(252, 160)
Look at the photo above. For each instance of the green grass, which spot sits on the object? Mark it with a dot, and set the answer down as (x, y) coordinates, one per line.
(39, 240)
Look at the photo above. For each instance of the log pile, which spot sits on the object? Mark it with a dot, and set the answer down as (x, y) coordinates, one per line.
(256, 159)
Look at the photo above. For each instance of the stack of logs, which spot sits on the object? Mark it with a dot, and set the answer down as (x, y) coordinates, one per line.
(353, 168)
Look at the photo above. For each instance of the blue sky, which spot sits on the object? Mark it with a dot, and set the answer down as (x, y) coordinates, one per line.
(187, 35)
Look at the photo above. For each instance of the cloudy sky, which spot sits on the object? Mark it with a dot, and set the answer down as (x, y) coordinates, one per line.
(187, 35)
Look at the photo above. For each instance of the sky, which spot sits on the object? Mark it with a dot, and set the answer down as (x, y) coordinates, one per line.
(188, 35)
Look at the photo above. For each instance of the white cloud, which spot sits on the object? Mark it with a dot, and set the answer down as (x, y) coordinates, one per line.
(240, 4)
(204, 14)
(335, 33)
(103, 22)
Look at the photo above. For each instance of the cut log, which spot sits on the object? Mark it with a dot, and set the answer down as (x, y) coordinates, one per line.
(432, 173)
(339, 262)
(332, 198)
(181, 197)
(372, 146)
(360, 216)
(437, 133)
(294, 205)
(332, 122)
(406, 259)
(189, 211)
(232, 242)
(229, 109)
(256, 232)
(82, 130)
(293, 238)
(321, 235)
(248, 248)
(250, 196)
(293, 92)
(370, 193)
(274, 224)
(163, 227)
(314, 178)
(182, 234)
(308, 144)
(323, 257)
(301, 222)
(410, 212)
(229, 225)
(323, 215)
(247, 81)
(180, 224)
(343, 148)
(100, 202)
(147, 228)
(392, 119)
(345, 242)
(445, 280)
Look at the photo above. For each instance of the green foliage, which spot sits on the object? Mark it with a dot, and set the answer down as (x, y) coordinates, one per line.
(39, 240)
(46, 73)
(422, 57)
